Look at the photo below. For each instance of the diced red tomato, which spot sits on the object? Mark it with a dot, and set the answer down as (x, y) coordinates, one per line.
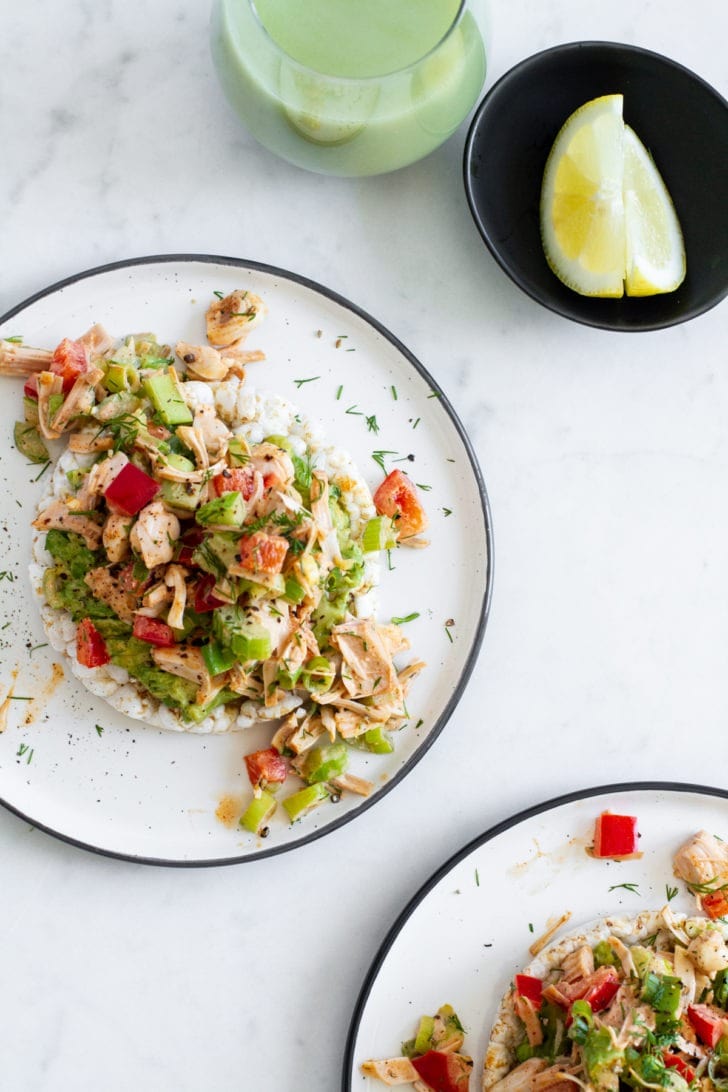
(236, 479)
(397, 498)
(674, 1061)
(602, 986)
(153, 630)
(187, 543)
(130, 490)
(615, 835)
(443, 1072)
(70, 359)
(598, 989)
(715, 904)
(30, 387)
(268, 766)
(529, 986)
(709, 1023)
(205, 601)
(91, 650)
(262, 553)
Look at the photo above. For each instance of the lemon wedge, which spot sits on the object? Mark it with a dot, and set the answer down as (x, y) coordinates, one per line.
(606, 216)
(655, 257)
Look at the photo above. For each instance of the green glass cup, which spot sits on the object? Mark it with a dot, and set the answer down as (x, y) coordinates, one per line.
(349, 88)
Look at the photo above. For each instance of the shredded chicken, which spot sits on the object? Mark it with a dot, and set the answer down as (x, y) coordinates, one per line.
(48, 385)
(348, 782)
(174, 578)
(97, 340)
(187, 663)
(110, 590)
(368, 667)
(391, 1071)
(22, 360)
(79, 401)
(524, 1008)
(523, 1077)
(58, 516)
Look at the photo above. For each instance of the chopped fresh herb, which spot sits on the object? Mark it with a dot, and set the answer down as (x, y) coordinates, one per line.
(372, 424)
(530, 926)
(16, 339)
(299, 382)
(394, 392)
(425, 488)
(36, 647)
(407, 618)
(671, 892)
(7, 575)
(449, 635)
(633, 887)
(354, 411)
(378, 457)
(350, 350)
(419, 724)
(707, 888)
(220, 296)
(17, 697)
(99, 727)
(477, 878)
(5, 626)
(390, 566)
(24, 749)
(434, 394)
(417, 421)
(338, 391)
(447, 511)
(42, 470)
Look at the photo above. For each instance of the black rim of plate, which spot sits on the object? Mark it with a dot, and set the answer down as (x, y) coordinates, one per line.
(471, 659)
(483, 230)
(481, 839)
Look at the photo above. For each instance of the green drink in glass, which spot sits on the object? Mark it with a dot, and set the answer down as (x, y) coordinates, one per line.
(349, 87)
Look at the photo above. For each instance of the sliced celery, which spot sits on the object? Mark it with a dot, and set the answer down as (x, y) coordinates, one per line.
(318, 675)
(423, 1039)
(305, 800)
(378, 535)
(258, 812)
(165, 394)
(323, 763)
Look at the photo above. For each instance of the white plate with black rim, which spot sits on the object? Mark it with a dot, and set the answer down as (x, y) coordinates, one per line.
(71, 765)
(467, 931)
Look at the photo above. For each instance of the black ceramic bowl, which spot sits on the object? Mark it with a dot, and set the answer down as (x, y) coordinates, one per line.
(681, 120)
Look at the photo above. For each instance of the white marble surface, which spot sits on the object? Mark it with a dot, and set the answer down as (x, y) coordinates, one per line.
(605, 458)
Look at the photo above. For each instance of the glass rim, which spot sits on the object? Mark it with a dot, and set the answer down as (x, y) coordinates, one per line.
(357, 79)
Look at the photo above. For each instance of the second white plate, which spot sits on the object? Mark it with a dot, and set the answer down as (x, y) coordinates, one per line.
(467, 932)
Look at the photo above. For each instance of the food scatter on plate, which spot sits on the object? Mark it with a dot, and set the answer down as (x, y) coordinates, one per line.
(432, 1061)
(207, 560)
(628, 1001)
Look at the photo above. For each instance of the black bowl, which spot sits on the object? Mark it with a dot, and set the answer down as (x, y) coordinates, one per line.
(681, 120)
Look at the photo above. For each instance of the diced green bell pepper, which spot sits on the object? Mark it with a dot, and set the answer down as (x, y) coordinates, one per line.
(293, 593)
(377, 741)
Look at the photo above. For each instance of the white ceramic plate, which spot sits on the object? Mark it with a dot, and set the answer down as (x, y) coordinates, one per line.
(138, 792)
(467, 932)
